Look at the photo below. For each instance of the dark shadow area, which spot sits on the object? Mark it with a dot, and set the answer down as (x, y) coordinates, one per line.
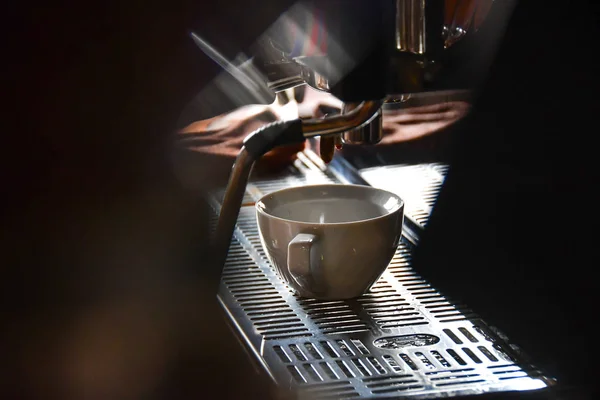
(513, 230)
(107, 288)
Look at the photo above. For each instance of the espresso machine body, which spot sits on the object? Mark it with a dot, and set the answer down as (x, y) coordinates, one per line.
(369, 50)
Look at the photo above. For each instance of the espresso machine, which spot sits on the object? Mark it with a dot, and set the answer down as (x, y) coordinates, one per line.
(403, 339)
(370, 55)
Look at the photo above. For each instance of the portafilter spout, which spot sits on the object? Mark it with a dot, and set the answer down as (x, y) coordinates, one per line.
(367, 134)
(265, 139)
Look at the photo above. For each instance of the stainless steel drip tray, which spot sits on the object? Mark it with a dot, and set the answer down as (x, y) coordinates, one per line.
(403, 338)
(418, 185)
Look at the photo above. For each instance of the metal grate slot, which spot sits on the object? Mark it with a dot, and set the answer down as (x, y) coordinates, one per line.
(399, 387)
(487, 353)
(395, 315)
(452, 336)
(454, 377)
(282, 354)
(267, 301)
(326, 368)
(433, 307)
(344, 368)
(279, 327)
(333, 317)
(418, 321)
(428, 297)
(468, 334)
(506, 378)
(497, 367)
(408, 361)
(438, 301)
(287, 333)
(243, 280)
(278, 321)
(313, 351)
(312, 373)
(241, 274)
(460, 383)
(296, 374)
(274, 324)
(393, 312)
(361, 367)
(450, 371)
(253, 295)
(436, 354)
(397, 383)
(471, 355)
(262, 311)
(392, 363)
(328, 385)
(344, 348)
(329, 349)
(297, 352)
(275, 315)
(377, 365)
(419, 291)
(456, 357)
(330, 390)
(388, 302)
(445, 312)
(360, 346)
(508, 372)
(424, 360)
(245, 287)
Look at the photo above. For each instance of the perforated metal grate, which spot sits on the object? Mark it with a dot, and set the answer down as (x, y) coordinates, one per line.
(418, 185)
(403, 338)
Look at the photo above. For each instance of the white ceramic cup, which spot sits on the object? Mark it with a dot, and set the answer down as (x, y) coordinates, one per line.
(330, 241)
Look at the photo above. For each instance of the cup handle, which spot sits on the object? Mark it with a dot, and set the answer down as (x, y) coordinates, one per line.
(301, 252)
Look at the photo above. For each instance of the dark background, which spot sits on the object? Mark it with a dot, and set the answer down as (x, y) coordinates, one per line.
(514, 229)
(95, 225)
(92, 92)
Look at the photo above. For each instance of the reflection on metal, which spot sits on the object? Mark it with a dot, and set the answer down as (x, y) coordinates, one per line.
(332, 349)
(394, 99)
(244, 74)
(462, 17)
(355, 118)
(368, 134)
(285, 83)
(315, 80)
(410, 26)
(286, 75)
(397, 101)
